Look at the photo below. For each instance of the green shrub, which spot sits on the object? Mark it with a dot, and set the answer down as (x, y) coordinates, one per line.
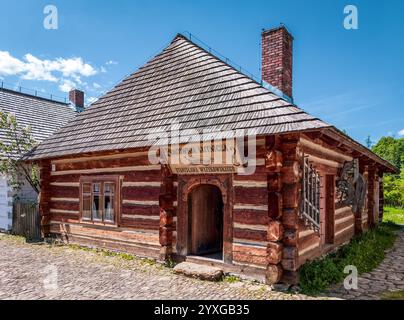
(169, 263)
(365, 252)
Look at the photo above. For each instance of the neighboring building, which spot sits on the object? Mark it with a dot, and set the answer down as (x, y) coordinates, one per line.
(45, 117)
(313, 187)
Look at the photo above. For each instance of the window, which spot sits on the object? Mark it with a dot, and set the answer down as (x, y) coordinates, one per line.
(99, 199)
(310, 209)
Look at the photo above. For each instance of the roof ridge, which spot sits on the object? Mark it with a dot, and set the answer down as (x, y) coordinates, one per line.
(211, 51)
(179, 35)
(32, 96)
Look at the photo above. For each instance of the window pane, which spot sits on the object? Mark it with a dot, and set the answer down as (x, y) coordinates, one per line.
(96, 187)
(86, 187)
(87, 207)
(97, 215)
(108, 208)
(109, 188)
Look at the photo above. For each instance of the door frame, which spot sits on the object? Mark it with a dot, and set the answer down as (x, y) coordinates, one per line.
(186, 183)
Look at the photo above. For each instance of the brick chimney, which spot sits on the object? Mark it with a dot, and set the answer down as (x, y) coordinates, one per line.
(76, 97)
(277, 56)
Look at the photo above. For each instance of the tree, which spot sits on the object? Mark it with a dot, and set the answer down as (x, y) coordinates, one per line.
(392, 150)
(15, 143)
(368, 142)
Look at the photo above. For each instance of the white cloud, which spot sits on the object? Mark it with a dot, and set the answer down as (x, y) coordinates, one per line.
(66, 85)
(36, 69)
(401, 132)
(111, 62)
(90, 100)
(56, 70)
(10, 65)
(74, 67)
(96, 85)
(103, 70)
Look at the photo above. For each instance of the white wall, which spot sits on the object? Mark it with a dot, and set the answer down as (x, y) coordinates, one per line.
(26, 193)
(5, 205)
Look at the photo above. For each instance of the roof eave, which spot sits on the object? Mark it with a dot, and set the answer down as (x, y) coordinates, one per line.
(389, 168)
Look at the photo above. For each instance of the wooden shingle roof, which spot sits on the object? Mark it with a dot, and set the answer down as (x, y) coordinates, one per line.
(43, 115)
(183, 84)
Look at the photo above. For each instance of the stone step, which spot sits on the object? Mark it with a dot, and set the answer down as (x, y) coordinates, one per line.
(244, 272)
(206, 261)
(199, 271)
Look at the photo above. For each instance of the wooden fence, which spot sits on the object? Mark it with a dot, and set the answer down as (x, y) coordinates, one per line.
(26, 221)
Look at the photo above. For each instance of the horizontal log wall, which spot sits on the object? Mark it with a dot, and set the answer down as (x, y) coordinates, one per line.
(250, 214)
(137, 229)
(344, 224)
(341, 224)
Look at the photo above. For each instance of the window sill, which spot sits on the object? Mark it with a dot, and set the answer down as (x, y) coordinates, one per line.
(99, 224)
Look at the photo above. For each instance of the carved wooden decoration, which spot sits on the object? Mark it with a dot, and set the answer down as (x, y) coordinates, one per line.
(352, 186)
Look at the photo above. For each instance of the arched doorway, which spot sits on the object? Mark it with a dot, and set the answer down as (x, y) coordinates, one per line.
(205, 210)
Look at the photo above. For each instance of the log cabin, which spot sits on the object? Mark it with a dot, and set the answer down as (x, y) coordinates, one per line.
(312, 187)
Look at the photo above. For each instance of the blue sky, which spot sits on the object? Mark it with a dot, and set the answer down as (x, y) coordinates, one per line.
(350, 78)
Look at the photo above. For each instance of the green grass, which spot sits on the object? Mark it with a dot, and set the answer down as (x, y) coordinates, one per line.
(395, 215)
(122, 255)
(393, 295)
(231, 279)
(365, 251)
(104, 252)
(148, 261)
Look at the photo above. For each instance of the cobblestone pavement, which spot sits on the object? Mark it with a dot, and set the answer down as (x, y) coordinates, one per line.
(40, 271)
(387, 277)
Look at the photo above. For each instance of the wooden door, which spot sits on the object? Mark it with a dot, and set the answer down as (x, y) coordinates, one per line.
(206, 220)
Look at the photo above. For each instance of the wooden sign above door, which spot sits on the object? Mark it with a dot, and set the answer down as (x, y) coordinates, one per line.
(203, 169)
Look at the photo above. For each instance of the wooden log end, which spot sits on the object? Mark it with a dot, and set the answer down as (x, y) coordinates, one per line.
(273, 273)
(275, 231)
(274, 252)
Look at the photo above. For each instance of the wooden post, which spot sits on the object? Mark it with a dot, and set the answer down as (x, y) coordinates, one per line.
(273, 163)
(44, 197)
(166, 202)
(291, 198)
(371, 196)
(359, 225)
(381, 197)
(329, 208)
